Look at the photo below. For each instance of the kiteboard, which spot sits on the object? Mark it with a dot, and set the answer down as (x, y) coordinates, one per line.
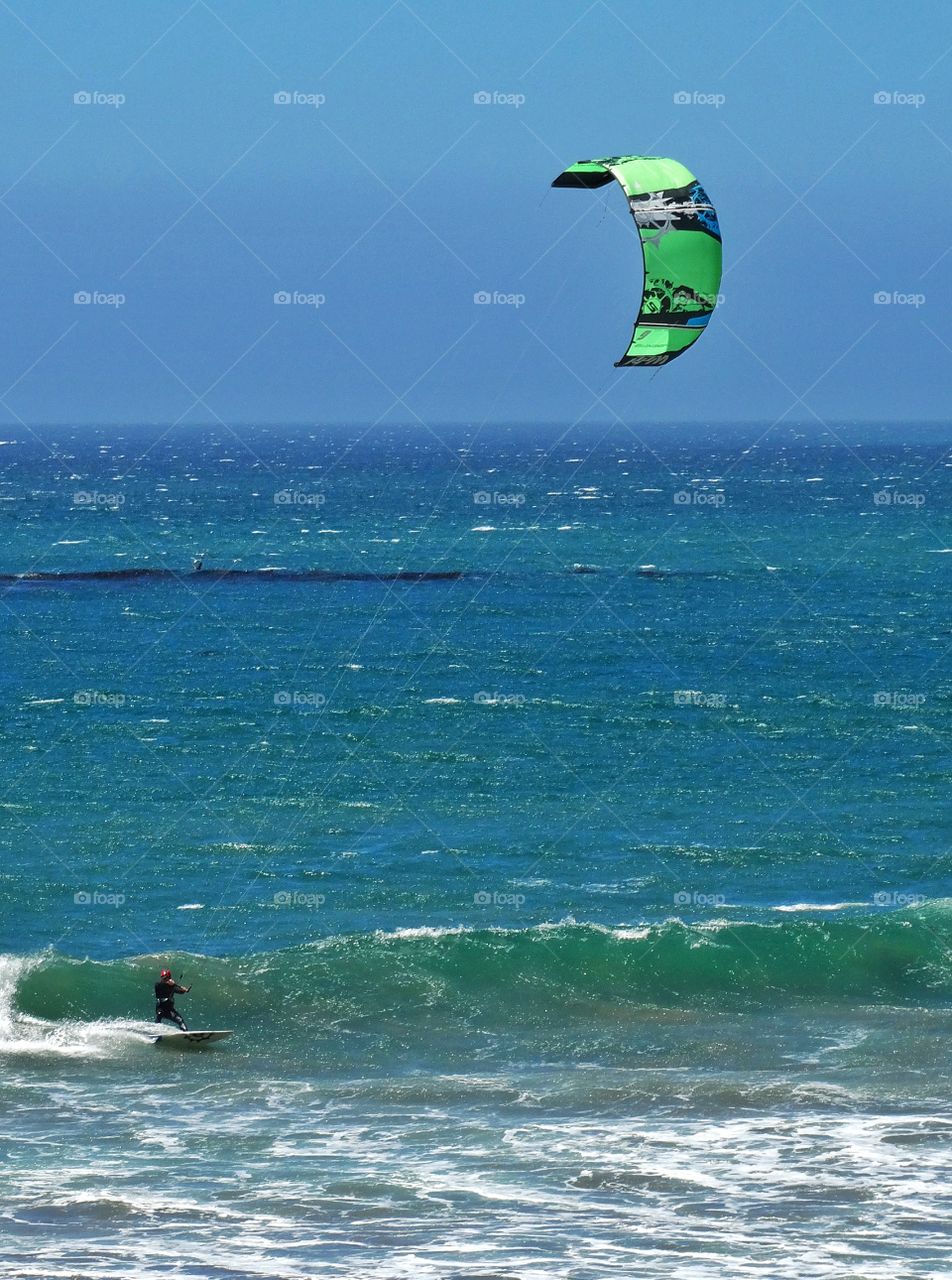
(189, 1039)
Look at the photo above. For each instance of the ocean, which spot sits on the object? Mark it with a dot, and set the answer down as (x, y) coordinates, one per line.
(559, 819)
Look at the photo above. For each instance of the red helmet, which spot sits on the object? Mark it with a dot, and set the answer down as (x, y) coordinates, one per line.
(166, 973)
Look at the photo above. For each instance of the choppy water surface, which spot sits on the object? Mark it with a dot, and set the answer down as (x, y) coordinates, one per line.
(562, 828)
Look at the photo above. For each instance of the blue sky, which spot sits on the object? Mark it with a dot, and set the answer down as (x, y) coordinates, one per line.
(386, 195)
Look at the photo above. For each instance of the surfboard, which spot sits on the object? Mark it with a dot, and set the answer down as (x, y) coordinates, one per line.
(189, 1039)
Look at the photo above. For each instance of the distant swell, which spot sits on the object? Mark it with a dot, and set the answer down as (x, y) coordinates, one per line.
(119, 576)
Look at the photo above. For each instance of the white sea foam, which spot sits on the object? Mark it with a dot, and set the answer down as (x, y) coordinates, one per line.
(25, 1036)
(422, 931)
(819, 906)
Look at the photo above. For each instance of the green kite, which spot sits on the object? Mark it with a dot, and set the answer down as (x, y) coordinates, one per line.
(681, 244)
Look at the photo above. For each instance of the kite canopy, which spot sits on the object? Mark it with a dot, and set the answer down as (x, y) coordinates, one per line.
(681, 244)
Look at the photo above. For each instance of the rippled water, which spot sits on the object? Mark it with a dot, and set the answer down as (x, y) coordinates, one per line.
(561, 827)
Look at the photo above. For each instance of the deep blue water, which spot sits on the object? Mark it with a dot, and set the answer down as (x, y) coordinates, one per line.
(561, 823)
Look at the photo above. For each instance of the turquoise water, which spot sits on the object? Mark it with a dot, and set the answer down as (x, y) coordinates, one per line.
(560, 823)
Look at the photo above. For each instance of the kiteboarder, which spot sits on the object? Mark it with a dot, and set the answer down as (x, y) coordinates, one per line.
(166, 989)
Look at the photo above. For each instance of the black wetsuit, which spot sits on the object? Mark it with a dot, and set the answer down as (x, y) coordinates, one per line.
(165, 992)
